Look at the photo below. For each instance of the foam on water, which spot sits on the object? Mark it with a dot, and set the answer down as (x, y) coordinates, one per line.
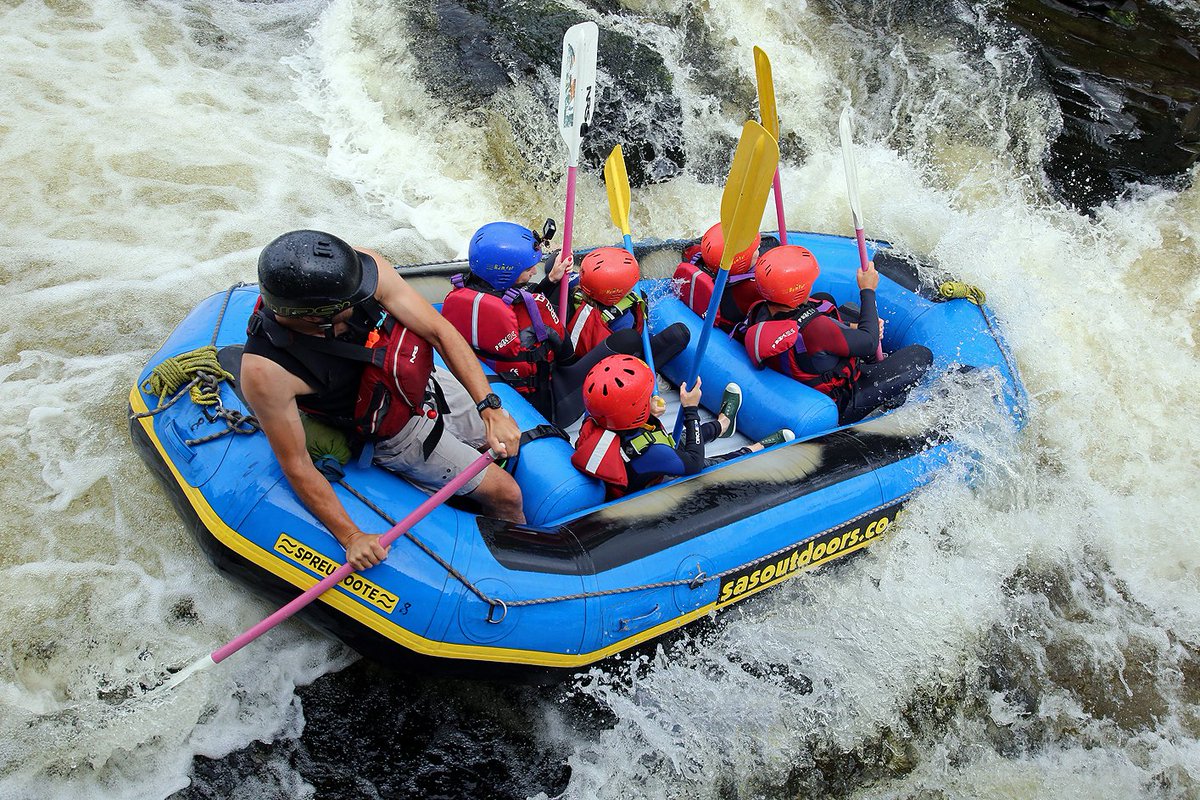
(1029, 629)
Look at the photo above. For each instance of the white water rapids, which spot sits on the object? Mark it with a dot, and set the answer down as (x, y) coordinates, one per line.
(1037, 635)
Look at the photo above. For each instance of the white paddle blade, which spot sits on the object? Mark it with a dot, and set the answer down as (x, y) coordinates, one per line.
(189, 671)
(846, 130)
(577, 86)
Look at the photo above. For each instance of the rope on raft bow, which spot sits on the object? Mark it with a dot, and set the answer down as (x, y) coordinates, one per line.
(167, 378)
(958, 290)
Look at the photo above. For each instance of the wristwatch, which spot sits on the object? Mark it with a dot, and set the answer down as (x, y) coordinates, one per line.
(491, 401)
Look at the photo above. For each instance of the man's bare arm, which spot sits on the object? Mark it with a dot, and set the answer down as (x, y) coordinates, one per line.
(415, 313)
(271, 392)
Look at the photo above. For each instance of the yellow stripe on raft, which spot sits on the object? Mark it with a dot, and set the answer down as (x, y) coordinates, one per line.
(302, 579)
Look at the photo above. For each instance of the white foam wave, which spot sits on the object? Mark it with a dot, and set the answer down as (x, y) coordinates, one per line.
(153, 148)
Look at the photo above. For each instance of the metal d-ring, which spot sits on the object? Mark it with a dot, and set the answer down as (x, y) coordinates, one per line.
(492, 607)
(700, 579)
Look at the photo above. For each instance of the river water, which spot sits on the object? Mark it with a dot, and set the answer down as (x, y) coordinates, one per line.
(1036, 636)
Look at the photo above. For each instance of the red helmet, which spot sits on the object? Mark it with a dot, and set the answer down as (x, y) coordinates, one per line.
(786, 274)
(607, 274)
(616, 392)
(713, 245)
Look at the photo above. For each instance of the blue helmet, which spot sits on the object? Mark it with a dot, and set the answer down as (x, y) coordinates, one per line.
(501, 251)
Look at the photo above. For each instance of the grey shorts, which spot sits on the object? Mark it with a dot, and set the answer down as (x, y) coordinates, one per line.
(462, 438)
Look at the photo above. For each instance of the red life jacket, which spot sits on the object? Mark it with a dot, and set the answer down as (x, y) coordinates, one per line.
(493, 325)
(598, 453)
(590, 323)
(605, 454)
(694, 285)
(779, 343)
(393, 385)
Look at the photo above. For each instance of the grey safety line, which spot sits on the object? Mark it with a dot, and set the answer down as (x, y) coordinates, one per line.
(695, 582)
(1001, 343)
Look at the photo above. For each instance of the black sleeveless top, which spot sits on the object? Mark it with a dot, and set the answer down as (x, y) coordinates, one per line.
(335, 378)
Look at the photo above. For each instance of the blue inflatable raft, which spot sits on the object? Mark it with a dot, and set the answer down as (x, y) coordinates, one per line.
(583, 579)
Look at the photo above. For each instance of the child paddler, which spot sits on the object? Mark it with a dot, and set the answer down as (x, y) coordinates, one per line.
(695, 278)
(625, 445)
(510, 324)
(607, 316)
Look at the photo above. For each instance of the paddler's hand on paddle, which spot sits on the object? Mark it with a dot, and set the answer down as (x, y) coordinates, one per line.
(503, 434)
(363, 550)
(658, 406)
(565, 260)
(690, 397)
(868, 278)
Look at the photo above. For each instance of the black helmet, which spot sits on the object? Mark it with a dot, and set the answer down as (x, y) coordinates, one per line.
(306, 273)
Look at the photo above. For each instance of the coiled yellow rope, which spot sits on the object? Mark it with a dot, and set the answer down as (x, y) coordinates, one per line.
(167, 378)
(958, 290)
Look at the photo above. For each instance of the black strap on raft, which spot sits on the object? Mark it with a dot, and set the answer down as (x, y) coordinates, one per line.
(544, 431)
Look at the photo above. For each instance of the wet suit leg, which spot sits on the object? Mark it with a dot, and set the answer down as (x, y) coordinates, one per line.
(886, 383)
(708, 432)
(666, 344)
(568, 379)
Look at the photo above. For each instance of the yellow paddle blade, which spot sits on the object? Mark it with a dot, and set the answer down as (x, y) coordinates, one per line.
(766, 93)
(746, 189)
(616, 182)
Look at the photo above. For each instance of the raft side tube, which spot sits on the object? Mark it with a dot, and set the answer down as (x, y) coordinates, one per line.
(770, 400)
(645, 523)
(779, 532)
(549, 628)
(404, 590)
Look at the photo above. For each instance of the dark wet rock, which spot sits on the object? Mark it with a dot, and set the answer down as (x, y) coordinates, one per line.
(373, 733)
(475, 48)
(1127, 76)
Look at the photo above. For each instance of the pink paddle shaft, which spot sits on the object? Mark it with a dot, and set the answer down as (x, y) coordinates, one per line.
(398, 530)
(779, 210)
(863, 263)
(569, 219)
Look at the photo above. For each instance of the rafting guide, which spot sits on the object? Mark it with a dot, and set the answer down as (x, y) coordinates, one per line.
(322, 297)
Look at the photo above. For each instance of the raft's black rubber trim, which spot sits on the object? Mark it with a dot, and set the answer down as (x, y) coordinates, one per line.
(664, 516)
(230, 359)
(899, 269)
